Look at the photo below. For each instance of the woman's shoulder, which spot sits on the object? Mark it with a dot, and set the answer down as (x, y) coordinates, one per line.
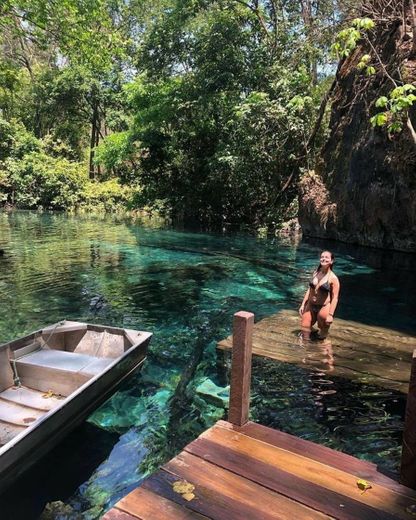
(334, 278)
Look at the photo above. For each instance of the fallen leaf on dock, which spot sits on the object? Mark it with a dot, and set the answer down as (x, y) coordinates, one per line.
(184, 488)
(363, 485)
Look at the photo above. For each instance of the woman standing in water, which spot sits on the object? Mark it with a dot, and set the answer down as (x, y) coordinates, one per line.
(321, 298)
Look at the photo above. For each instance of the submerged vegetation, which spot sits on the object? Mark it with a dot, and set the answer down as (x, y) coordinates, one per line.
(185, 287)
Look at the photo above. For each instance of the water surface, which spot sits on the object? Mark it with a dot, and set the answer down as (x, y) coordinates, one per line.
(185, 287)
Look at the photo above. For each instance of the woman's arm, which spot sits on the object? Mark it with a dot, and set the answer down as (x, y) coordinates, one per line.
(334, 299)
(305, 299)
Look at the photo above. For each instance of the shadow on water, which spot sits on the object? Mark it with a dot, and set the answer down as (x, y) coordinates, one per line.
(57, 476)
(373, 257)
(363, 420)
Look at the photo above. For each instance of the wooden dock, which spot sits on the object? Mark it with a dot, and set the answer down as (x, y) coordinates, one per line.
(257, 473)
(239, 470)
(363, 353)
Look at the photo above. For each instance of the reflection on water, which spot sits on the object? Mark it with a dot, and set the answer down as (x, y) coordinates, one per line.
(318, 353)
(362, 420)
(185, 287)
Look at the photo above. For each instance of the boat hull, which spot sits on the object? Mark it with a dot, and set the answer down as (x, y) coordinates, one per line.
(23, 451)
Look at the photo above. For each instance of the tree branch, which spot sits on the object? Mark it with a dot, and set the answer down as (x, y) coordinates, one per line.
(411, 129)
(256, 11)
(380, 61)
(413, 21)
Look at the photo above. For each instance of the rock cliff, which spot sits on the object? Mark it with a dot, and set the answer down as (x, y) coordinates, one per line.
(363, 190)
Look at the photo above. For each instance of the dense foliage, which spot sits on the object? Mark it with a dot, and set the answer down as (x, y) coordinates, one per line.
(203, 109)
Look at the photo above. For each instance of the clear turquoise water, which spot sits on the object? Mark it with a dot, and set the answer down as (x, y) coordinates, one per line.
(185, 287)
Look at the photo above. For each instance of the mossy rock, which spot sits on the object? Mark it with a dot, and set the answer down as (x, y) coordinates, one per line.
(211, 393)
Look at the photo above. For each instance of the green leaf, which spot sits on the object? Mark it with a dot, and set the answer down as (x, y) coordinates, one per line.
(395, 127)
(363, 23)
(397, 92)
(379, 119)
(382, 102)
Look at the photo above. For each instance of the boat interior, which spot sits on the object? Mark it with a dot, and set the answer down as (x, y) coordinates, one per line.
(39, 370)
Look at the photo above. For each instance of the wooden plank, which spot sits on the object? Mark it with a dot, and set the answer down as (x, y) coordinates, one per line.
(116, 514)
(222, 495)
(147, 505)
(280, 481)
(408, 460)
(393, 365)
(333, 458)
(132, 336)
(325, 476)
(47, 379)
(19, 352)
(328, 456)
(241, 368)
(337, 368)
(362, 345)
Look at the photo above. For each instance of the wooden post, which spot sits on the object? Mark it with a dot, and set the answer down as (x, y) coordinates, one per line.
(408, 461)
(241, 368)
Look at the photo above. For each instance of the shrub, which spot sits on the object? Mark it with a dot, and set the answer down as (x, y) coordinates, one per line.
(40, 180)
(106, 196)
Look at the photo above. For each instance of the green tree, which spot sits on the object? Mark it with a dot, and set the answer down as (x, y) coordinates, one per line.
(218, 132)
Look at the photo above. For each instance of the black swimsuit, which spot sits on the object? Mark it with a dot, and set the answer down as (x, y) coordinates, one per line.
(326, 288)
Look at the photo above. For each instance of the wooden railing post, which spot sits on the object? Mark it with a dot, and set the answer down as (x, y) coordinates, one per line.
(241, 368)
(408, 461)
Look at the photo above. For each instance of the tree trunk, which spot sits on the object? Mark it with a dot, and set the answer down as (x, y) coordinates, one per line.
(413, 21)
(93, 140)
(97, 141)
(306, 10)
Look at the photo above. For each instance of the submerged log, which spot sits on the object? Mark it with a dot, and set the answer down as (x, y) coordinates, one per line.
(363, 353)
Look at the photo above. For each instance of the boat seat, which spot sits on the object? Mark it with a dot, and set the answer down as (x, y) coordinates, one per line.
(26, 349)
(68, 361)
(58, 370)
